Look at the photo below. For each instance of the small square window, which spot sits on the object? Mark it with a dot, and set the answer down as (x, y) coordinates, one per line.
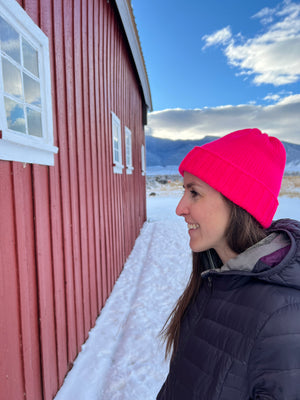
(117, 144)
(128, 144)
(25, 88)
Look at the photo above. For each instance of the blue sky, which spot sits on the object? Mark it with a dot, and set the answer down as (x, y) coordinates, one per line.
(220, 65)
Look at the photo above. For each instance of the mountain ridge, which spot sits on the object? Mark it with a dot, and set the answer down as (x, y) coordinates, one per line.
(166, 152)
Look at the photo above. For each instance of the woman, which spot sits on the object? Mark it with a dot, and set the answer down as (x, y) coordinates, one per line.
(235, 331)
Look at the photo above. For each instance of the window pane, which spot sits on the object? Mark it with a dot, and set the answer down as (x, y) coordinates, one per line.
(128, 147)
(128, 163)
(10, 41)
(128, 160)
(30, 58)
(11, 79)
(34, 122)
(115, 131)
(31, 91)
(14, 115)
(116, 143)
(117, 159)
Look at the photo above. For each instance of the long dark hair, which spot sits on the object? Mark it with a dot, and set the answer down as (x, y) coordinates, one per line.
(243, 231)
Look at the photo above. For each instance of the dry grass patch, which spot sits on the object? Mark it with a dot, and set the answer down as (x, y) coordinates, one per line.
(290, 186)
(170, 184)
(164, 185)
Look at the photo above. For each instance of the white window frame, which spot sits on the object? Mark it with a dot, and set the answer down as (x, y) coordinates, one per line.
(143, 160)
(16, 146)
(116, 144)
(128, 146)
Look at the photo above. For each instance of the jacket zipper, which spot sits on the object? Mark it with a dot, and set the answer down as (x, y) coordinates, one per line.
(210, 283)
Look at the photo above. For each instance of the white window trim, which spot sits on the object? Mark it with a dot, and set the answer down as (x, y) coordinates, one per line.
(128, 146)
(115, 122)
(16, 146)
(143, 160)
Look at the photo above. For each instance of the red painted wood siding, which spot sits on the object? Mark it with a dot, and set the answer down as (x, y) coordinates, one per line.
(67, 230)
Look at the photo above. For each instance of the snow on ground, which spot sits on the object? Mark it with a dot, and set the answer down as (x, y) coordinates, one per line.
(123, 358)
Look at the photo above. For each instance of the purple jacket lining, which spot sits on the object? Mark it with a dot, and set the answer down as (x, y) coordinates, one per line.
(276, 257)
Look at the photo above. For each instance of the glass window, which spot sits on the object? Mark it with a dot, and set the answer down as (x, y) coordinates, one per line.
(14, 115)
(128, 144)
(30, 58)
(34, 122)
(12, 79)
(25, 88)
(10, 40)
(32, 92)
(117, 144)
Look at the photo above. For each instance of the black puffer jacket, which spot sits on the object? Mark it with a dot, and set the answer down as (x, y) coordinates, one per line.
(240, 340)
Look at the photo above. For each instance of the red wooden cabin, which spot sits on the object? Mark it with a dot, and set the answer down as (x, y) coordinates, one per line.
(74, 96)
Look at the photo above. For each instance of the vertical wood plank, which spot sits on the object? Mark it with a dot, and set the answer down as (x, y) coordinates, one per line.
(46, 17)
(61, 118)
(45, 280)
(33, 10)
(113, 107)
(108, 145)
(105, 165)
(25, 248)
(81, 173)
(72, 157)
(118, 85)
(100, 271)
(59, 275)
(91, 181)
(11, 367)
(96, 178)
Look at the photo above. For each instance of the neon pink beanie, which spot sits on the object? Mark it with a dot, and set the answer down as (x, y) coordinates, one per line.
(246, 166)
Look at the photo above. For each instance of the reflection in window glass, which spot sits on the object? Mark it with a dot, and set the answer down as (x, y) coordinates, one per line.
(116, 143)
(11, 79)
(116, 156)
(34, 122)
(116, 150)
(10, 40)
(14, 115)
(31, 91)
(30, 58)
(128, 147)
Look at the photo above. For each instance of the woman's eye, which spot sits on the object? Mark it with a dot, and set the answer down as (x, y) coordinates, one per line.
(193, 193)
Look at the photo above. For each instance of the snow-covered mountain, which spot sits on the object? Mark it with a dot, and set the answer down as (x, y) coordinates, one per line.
(164, 155)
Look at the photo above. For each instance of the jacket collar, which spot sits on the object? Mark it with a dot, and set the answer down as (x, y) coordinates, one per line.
(247, 260)
(284, 271)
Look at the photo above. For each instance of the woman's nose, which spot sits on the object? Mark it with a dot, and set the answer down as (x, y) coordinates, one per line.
(181, 208)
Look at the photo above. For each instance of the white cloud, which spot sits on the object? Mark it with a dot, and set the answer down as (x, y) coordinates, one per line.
(266, 15)
(273, 57)
(272, 97)
(280, 119)
(292, 99)
(222, 36)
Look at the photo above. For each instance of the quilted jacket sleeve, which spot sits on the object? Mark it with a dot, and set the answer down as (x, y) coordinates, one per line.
(274, 364)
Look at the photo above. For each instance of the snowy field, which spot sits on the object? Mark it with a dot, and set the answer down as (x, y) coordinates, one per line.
(123, 358)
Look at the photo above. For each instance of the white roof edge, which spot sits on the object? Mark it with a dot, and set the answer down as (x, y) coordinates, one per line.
(133, 40)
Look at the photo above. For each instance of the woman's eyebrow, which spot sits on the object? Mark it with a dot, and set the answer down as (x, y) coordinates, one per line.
(189, 185)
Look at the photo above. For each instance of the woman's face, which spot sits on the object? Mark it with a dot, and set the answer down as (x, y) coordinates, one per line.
(207, 215)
